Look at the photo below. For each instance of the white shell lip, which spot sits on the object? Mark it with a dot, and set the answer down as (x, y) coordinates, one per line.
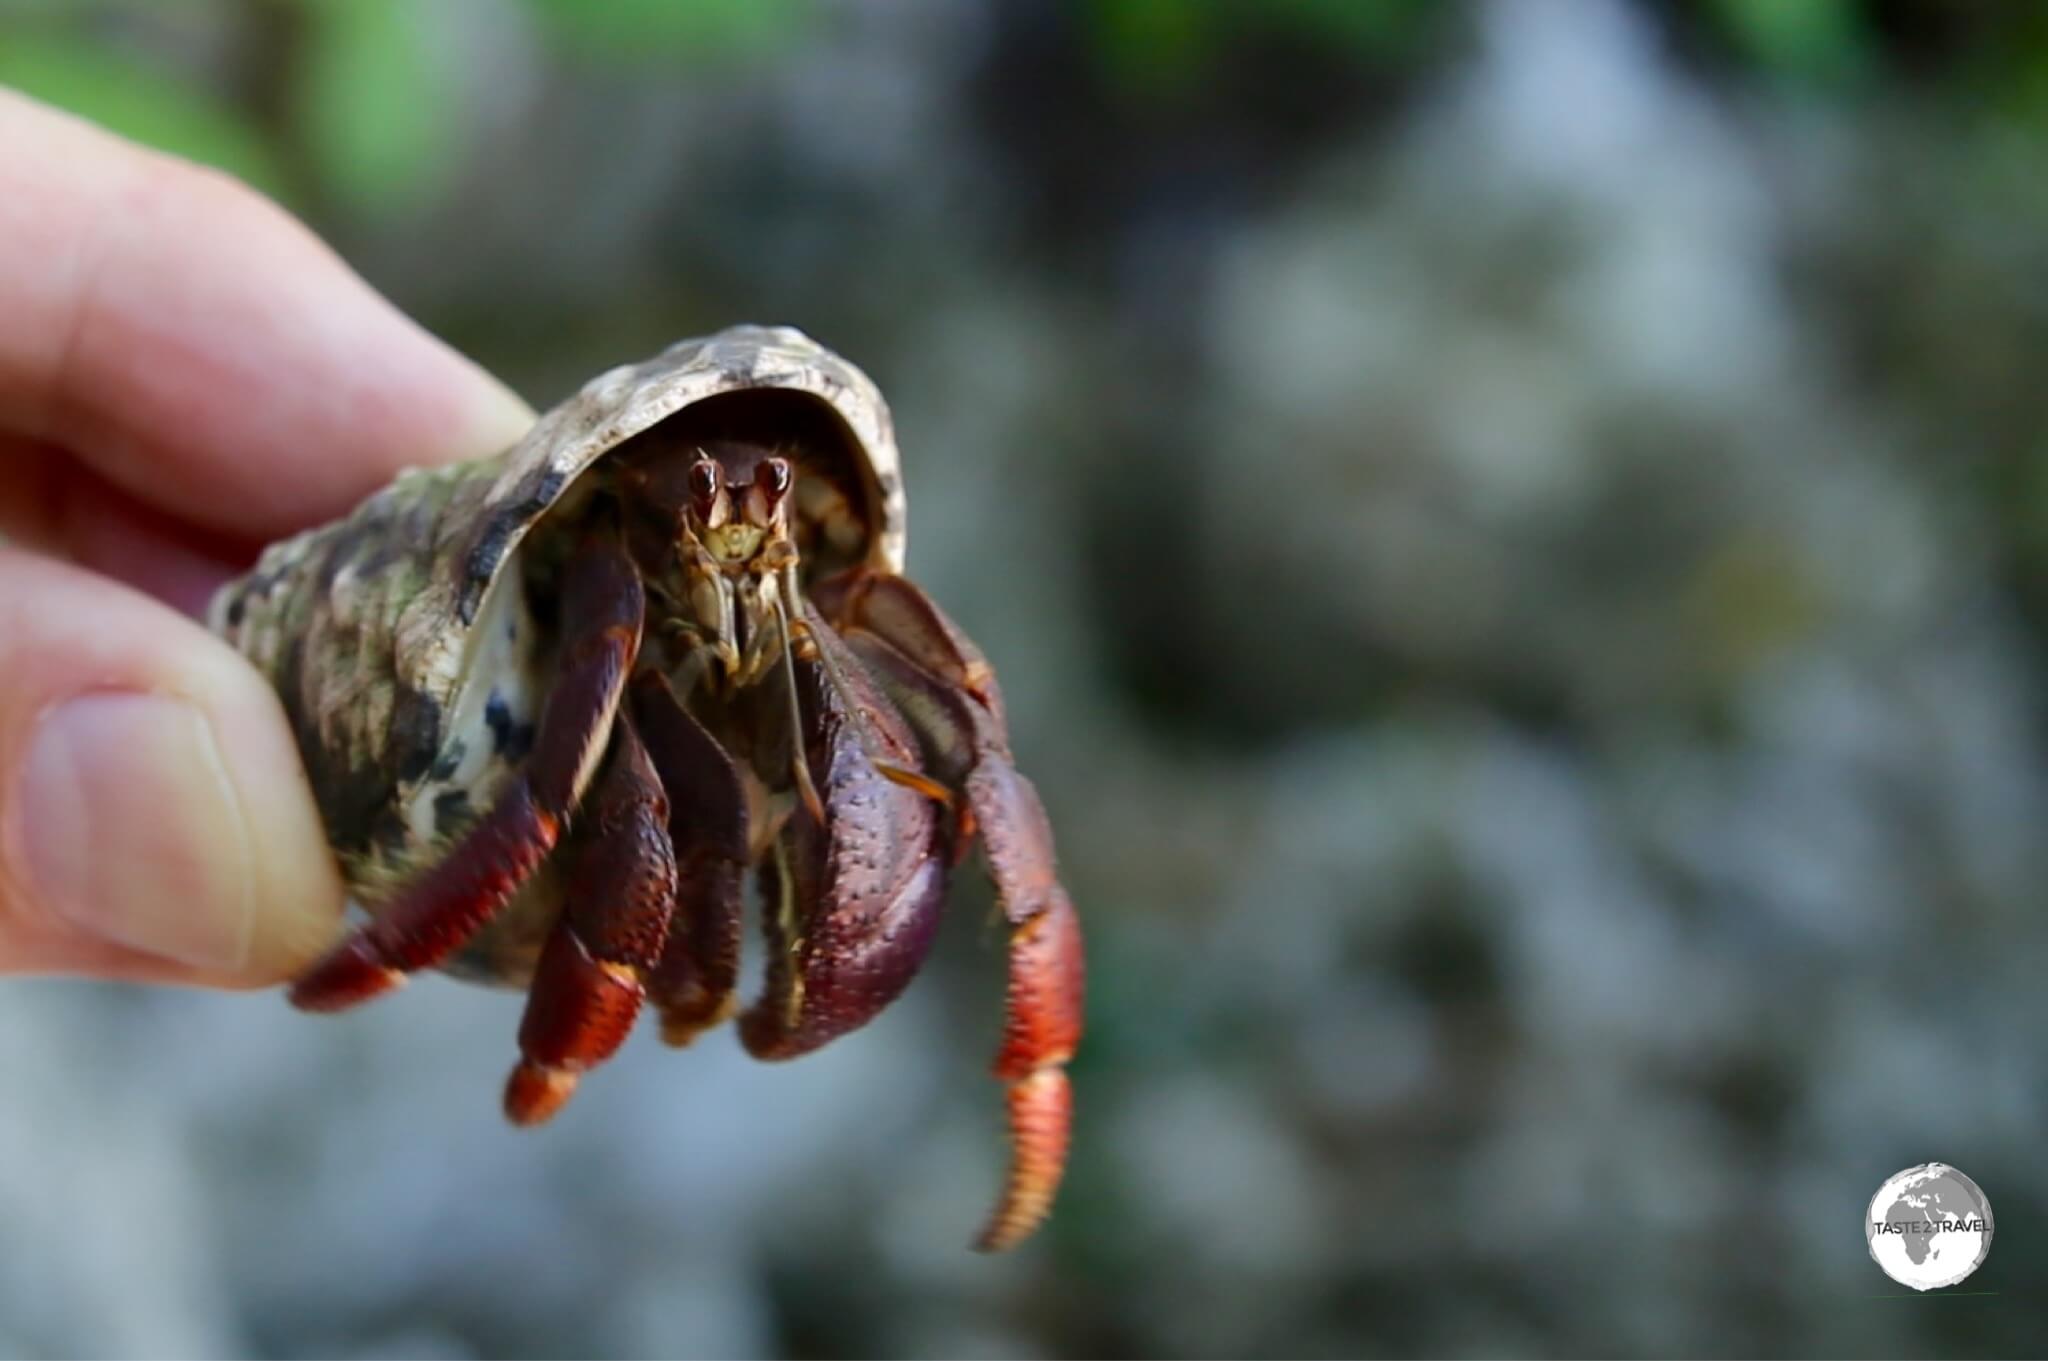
(627, 399)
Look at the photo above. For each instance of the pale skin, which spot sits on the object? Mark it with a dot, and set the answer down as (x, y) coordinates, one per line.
(186, 372)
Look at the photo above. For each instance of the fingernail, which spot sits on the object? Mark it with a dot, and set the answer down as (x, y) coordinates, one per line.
(127, 826)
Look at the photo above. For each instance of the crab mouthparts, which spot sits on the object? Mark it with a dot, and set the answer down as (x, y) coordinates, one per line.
(735, 543)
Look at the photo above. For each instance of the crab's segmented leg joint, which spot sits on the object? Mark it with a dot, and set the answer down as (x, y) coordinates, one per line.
(941, 682)
(1042, 1030)
(1045, 996)
(588, 987)
(441, 909)
(693, 985)
(438, 911)
(1041, 1118)
(578, 1014)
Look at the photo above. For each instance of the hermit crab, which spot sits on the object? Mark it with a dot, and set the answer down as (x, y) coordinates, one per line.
(560, 705)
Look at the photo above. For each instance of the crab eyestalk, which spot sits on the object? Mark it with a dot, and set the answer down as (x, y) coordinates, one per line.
(740, 522)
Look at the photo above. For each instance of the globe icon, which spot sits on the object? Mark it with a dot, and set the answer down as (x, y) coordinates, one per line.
(1929, 1226)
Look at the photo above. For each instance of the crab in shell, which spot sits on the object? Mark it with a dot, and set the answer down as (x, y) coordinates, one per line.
(557, 706)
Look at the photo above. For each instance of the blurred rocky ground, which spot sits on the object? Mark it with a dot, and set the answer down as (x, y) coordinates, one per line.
(1514, 536)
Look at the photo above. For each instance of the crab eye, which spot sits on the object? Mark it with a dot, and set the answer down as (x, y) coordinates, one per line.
(773, 477)
(704, 480)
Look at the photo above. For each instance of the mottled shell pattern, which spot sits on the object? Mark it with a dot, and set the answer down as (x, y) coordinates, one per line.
(402, 638)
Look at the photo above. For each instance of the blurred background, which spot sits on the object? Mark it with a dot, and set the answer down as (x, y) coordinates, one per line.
(1516, 536)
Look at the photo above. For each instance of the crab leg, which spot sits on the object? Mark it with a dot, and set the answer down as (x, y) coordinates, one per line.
(693, 983)
(1043, 1023)
(940, 681)
(851, 905)
(590, 981)
(602, 603)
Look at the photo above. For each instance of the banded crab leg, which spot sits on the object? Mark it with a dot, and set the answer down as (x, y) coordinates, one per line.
(432, 916)
(693, 983)
(942, 684)
(591, 979)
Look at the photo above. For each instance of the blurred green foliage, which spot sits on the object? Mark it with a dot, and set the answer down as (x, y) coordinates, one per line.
(372, 102)
(632, 31)
(152, 106)
(1823, 40)
(1162, 46)
(356, 104)
(367, 113)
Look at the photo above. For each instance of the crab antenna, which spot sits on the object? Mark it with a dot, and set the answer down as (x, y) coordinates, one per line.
(832, 675)
(831, 663)
(799, 759)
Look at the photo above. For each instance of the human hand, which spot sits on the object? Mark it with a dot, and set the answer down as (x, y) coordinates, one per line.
(185, 373)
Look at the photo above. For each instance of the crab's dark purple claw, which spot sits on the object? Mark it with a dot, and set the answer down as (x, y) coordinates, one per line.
(850, 906)
(939, 680)
(436, 913)
(693, 984)
(592, 975)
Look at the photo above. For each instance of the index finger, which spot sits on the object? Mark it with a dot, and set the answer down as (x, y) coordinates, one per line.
(201, 348)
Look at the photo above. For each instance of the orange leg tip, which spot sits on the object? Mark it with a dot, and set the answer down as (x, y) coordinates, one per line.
(348, 974)
(1041, 1115)
(533, 1094)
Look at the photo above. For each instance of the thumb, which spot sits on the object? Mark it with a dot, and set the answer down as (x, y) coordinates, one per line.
(155, 822)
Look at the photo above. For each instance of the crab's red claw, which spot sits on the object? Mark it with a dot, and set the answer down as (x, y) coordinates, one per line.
(851, 906)
(588, 987)
(436, 913)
